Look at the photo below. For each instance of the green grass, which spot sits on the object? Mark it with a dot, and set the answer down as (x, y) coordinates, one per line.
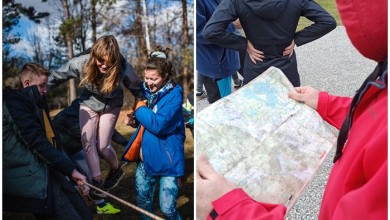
(329, 6)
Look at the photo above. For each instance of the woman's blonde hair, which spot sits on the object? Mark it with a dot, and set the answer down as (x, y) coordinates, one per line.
(105, 48)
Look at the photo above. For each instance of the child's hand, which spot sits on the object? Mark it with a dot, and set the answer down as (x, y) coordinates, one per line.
(130, 120)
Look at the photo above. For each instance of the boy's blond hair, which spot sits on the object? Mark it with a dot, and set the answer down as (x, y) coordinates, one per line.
(32, 69)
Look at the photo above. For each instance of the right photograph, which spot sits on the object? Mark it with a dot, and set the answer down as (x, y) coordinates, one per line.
(291, 109)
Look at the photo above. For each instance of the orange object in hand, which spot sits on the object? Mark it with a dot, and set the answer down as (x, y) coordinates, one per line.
(133, 153)
(139, 104)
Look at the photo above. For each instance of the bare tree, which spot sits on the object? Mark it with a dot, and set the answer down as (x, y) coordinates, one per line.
(140, 36)
(69, 44)
(168, 33)
(146, 25)
(50, 53)
(186, 55)
(35, 41)
(83, 23)
(93, 19)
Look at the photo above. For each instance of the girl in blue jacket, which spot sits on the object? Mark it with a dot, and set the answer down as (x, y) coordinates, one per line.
(161, 157)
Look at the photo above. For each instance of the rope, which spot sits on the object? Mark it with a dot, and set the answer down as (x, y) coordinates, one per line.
(153, 216)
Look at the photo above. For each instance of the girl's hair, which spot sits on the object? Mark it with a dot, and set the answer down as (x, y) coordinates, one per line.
(105, 48)
(158, 60)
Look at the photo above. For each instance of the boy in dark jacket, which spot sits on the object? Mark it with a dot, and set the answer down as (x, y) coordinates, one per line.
(36, 171)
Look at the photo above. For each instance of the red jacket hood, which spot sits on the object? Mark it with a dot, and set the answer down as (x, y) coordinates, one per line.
(366, 25)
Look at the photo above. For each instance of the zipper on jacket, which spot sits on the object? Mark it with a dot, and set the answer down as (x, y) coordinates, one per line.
(169, 156)
(37, 111)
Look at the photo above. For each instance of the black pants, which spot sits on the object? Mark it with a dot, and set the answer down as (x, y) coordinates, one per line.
(242, 61)
(67, 202)
(287, 65)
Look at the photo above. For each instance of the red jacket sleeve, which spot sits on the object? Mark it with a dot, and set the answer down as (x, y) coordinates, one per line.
(238, 205)
(333, 109)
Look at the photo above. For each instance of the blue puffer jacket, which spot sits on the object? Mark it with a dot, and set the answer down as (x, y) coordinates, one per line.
(164, 135)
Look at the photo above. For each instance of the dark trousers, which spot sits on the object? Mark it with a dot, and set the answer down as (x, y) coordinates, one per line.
(67, 202)
(287, 64)
(242, 61)
(216, 88)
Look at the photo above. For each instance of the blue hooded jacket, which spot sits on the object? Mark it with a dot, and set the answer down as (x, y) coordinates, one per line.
(164, 135)
(211, 60)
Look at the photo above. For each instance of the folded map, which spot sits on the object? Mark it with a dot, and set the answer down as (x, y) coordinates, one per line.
(263, 141)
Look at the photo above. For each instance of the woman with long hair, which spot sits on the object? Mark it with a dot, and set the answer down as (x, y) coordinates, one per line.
(104, 72)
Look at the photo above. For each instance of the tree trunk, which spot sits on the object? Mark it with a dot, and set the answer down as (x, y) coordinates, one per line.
(186, 57)
(168, 29)
(146, 23)
(83, 25)
(69, 45)
(93, 20)
(140, 35)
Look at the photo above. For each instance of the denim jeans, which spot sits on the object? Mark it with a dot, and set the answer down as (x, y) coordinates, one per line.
(168, 191)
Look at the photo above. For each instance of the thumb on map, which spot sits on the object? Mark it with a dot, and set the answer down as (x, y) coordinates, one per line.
(204, 168)
(296, 96)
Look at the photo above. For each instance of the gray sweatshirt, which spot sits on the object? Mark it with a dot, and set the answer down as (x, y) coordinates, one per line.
(90, 96)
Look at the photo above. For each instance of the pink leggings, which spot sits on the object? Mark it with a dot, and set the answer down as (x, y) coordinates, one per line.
(96, 133)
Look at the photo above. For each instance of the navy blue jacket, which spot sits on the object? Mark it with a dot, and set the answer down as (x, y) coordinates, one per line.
(270, 25)
(213, 60)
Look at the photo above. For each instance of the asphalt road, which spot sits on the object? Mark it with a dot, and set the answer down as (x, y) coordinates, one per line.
(332, 64)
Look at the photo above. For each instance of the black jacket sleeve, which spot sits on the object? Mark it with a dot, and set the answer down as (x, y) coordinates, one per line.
(323, 24)
(131, 80)
(216, 27)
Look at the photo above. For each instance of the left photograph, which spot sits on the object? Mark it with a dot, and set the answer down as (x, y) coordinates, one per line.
(98, 109)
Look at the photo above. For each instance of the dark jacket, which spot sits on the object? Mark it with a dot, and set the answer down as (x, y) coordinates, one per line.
(91, 96)
(212, 60)
(270, 25)
(29, 159)
(67, 124)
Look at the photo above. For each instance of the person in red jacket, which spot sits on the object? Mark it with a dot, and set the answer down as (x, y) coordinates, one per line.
(357, 185)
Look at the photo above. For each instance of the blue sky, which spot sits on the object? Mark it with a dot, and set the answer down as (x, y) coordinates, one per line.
(25, 24)
(52, 6)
